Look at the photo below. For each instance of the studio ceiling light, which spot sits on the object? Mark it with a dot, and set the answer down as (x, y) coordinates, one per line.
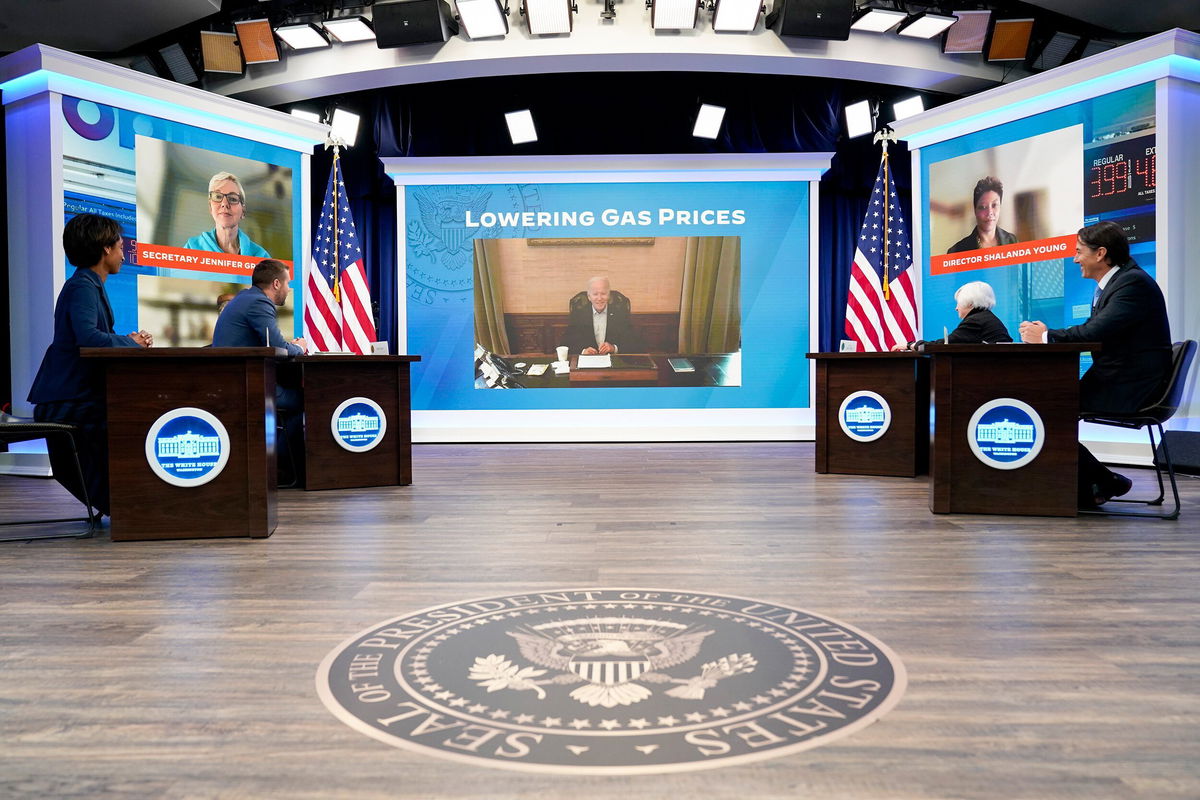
(926, 25)
(969, 33)
(178, 64)
(736, 16)
(1057, 51)
(220, 52)
(673, 15)
(257, 41)
(344, 126)
(311, 116)
(708, 121)
(482, 19)
(301, 37)
(349, 29)
(877, 20)
(860, 119)
(520, 126)
(1010, 40)
(908, 107)
(548, 16)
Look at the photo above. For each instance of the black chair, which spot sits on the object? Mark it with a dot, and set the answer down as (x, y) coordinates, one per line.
(18, 429)
(1151, 417)
(618, 301)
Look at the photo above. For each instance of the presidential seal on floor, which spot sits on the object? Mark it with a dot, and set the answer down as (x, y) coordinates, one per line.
(610, 681)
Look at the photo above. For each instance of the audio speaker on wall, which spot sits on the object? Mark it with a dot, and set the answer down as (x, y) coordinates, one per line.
(405, 22)
(813, 19)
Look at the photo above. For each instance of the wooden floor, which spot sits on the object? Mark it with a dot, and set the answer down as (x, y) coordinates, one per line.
(1046, 658)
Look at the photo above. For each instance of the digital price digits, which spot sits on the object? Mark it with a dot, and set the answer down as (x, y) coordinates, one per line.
(1118, 173)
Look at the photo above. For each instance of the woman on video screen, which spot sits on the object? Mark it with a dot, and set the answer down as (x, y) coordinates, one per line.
(988, 195)
(227, 204)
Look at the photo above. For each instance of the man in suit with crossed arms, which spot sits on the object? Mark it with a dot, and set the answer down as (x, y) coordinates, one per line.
(1129, 320)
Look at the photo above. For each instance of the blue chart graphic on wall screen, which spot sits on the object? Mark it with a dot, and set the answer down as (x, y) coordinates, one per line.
(496, 261)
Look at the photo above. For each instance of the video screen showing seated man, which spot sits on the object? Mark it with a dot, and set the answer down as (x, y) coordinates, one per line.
(654, 311)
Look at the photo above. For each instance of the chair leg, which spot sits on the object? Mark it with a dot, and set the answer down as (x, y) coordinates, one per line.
(92, 519)
(1174, 513)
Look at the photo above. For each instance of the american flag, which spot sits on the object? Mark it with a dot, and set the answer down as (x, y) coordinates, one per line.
(337, 311)
(881, 309)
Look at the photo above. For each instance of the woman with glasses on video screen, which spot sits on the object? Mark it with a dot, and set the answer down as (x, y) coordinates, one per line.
(227, 204)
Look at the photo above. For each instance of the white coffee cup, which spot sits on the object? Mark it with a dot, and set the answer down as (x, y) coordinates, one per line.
(561, 350)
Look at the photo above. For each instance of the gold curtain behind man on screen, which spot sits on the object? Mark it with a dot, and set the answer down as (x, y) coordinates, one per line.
(710, 318)
(489, 299)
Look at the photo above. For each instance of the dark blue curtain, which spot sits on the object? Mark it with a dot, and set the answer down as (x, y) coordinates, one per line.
(612, 113)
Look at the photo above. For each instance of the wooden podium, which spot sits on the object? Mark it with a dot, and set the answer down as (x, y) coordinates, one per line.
(330, 381)
(967, 377)
(902, 380)
(235, 385)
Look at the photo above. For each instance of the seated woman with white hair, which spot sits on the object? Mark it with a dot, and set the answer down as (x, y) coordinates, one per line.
(974, 302)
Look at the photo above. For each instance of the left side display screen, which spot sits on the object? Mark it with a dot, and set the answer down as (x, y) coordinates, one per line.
(198, 209)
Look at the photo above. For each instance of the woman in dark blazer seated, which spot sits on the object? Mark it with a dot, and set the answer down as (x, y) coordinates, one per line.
(974, 302)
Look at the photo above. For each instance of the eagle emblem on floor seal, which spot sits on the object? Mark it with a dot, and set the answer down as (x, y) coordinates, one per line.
(610, 680)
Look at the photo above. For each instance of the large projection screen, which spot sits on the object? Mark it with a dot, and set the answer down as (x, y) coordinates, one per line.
(710, 273)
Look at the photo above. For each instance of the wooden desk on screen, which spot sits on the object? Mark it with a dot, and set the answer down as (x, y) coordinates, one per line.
(901, 379)
(1044, 376)
(709, 369)
(234, 384)
(329, 380)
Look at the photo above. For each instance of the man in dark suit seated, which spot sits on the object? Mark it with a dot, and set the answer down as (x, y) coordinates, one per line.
(249, 320)
(599, 326)
(1129, 320)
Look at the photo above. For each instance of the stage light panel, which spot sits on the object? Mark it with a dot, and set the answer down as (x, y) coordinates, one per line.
(178, 64)
(926, 25)
(1010, 40)
(1056, 51)
(969, 33)
(548, 16)
(301, 113)
(908, 107)
(877, 20)
(220, 52)
(736, 16)
(257, 41)
(1095, 46)
(344, 126)
(349, 29)
(859, 119)
(144, 64)
(674, 15)
(708, 121)
(301, 37)
(520, 126)
(482, 19)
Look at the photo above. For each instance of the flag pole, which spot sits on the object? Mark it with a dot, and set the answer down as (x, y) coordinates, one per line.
(884, 137)
(337, 293)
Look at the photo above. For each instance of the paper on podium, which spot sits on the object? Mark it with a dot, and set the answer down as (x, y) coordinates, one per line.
(594, 362)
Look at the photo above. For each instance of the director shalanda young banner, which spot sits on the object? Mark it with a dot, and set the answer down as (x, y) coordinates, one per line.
(1003, 256)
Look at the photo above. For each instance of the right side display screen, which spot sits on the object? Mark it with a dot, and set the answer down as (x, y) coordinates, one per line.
(1003, 206)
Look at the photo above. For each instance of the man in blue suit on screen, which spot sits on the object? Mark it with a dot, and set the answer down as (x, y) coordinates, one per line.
(1129, 320)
